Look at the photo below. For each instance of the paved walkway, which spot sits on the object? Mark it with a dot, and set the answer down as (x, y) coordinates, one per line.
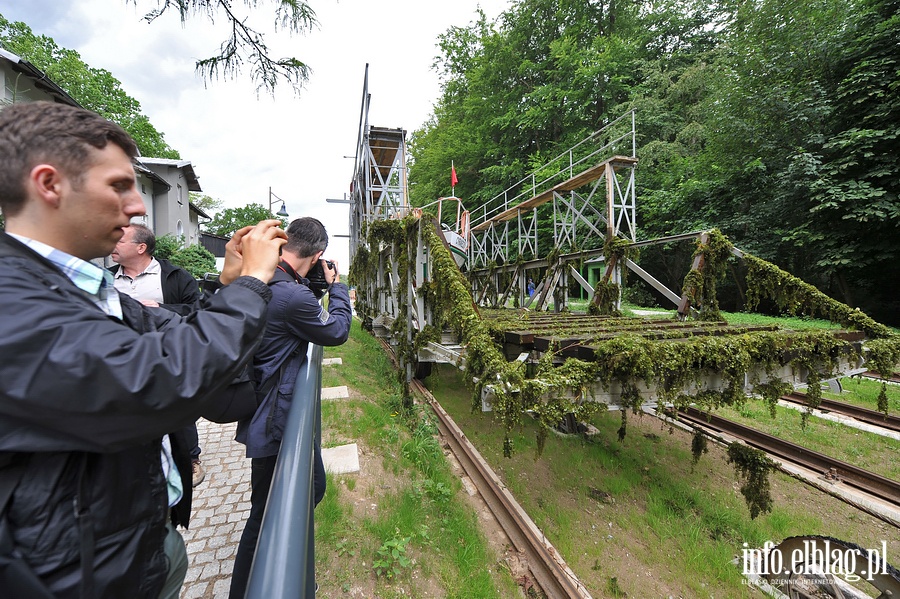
(221, 502)
(220, 507)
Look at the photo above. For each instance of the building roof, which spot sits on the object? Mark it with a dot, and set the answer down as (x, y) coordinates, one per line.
(41, 81)
(150, 174)
(190, 176)
(198, 210)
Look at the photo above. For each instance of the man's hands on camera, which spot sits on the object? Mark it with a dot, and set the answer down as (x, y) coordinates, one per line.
(331, 271)
(253, 251)
(322, 275)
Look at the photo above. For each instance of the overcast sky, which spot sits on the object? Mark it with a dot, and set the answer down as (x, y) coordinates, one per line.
(241, 144)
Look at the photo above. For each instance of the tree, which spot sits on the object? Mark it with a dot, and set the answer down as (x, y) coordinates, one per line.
(167, 245)
(246, 45)
(206, 203)
(95, 89)
(195, 259)
(230, 220)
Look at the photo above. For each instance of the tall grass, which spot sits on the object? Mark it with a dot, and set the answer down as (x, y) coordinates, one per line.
(420, 510)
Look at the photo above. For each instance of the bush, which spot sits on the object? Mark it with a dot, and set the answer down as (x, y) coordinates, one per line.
(167, 246)
(195, 259)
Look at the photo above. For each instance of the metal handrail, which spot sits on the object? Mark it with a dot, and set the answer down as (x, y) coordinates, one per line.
(287, 536)
(529, 187)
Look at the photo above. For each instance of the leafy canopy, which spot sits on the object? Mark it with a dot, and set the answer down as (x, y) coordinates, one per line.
(95, 89)
(226, 222)
(773, 121)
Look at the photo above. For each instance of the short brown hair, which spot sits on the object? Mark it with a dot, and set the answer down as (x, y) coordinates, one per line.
(32, 133)
(306, 236)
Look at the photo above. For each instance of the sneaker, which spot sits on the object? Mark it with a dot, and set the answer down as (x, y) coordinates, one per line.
(197, 473)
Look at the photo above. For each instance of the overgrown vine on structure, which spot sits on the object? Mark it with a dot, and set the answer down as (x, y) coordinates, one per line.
(607, 292)
(698, 446)
(700, 284)
(753, 466)
(678, 371)
(884, 356)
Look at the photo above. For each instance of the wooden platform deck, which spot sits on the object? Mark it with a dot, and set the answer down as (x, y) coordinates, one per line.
(579, 180)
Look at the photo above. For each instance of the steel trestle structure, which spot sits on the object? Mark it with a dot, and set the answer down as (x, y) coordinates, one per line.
(379, 187)
(587, 193)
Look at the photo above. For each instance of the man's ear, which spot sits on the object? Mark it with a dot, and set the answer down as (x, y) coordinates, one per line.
(46, 181)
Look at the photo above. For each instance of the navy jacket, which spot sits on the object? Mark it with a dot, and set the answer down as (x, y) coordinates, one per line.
(80, 387)
(295, 319)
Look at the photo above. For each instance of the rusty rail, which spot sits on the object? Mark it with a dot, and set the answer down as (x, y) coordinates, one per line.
(547, 566)
(872, 417)
(869, 482)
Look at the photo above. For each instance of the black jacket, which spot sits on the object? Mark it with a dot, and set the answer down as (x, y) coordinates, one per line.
(83, 390)
(180, 289)
(180, 294)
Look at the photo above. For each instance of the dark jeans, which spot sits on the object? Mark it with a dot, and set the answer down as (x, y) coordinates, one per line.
(261, 472)
(190, 431)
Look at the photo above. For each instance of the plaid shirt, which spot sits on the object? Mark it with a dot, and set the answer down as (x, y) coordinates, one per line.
(97, 284)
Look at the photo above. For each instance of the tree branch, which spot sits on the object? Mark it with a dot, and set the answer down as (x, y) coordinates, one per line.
(246, 45)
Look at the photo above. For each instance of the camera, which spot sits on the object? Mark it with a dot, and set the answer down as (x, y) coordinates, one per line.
(316, 275)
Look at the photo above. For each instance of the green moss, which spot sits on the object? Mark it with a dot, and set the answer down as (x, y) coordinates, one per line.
(606, 293)
(794, 296)
(677, 370)
(700, 283)
(753, 466)
(698, 446)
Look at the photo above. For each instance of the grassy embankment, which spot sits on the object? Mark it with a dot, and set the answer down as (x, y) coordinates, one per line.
(402, 526)
(632, 518)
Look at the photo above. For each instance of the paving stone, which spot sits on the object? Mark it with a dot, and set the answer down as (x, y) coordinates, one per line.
(340, 392)
(194, 591)
(342, 459)
(221, 587)
(221, 504)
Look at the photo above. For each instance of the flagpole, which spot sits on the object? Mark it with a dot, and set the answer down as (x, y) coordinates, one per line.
(452, 179)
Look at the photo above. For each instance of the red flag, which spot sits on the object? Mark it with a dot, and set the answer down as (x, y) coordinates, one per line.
(453, 179)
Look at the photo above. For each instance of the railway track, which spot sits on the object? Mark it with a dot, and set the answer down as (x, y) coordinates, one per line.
(872, 417)
(883, 488)
(894, 379)
(548, 567)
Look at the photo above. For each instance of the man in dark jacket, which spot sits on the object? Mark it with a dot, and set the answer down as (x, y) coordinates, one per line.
(157, 283)
(295, 320)
(91, 381)
(153, 281)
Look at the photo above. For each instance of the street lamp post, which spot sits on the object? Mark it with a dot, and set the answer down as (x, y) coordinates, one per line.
(283, 213)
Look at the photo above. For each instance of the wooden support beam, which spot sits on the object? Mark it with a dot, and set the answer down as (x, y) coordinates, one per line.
(669, 294)
(684, 305)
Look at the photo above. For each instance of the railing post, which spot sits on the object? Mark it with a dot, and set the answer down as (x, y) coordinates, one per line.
(287, 534)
